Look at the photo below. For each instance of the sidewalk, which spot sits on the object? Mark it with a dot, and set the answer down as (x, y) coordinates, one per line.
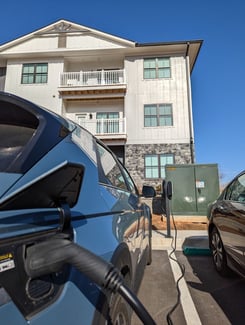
(191, 230)
(194, 238)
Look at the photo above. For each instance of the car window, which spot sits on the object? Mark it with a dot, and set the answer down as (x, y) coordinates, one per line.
(238, 189)
(13, 139)
(111, 169)
(130, 182)
(84, 140)
(227, 192)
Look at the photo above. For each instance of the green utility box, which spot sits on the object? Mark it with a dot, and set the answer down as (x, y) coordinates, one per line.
(194, 187)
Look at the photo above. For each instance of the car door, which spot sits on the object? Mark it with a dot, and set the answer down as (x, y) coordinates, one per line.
(233, 224)
(120, 197)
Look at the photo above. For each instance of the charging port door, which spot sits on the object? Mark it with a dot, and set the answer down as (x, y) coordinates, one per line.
(17, 233)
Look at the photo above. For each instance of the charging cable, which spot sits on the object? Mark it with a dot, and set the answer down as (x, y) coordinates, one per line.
(182, 269)
(49, 256)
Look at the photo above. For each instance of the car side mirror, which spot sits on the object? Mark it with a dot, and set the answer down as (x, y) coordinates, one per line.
(148, 191)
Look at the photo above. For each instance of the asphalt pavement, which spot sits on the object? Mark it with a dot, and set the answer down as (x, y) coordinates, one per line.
(205, 297)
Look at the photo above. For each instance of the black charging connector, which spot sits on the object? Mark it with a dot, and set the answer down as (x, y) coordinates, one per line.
(49, 256)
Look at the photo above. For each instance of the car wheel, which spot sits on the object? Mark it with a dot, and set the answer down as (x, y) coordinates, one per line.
(218, 253)
(112, 309)
(119, 311)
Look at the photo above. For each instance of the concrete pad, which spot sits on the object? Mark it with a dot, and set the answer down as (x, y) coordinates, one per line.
(197, 238)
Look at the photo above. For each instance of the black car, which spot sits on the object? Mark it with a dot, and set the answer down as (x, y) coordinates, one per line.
(227, 228)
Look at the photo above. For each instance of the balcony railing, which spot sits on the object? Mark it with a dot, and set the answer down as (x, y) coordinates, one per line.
(101, 127)
(92, 78)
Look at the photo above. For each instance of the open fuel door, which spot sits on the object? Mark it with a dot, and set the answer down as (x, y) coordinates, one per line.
(28, 216)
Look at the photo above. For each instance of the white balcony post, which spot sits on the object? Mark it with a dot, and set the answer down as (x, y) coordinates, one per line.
(61, 79)
(120, 125)
(103, 77)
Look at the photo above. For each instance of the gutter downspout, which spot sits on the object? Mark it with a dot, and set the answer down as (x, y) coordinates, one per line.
(188, 82)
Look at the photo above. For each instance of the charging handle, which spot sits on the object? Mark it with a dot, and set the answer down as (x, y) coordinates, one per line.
(49, 256)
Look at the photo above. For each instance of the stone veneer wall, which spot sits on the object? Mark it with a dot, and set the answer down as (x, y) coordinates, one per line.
(134, 159)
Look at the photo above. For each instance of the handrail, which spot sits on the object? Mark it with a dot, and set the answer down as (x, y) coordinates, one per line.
(92, 78)
(104, 126)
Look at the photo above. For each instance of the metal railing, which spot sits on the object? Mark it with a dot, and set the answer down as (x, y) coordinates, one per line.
(92, 78)
(104, 126)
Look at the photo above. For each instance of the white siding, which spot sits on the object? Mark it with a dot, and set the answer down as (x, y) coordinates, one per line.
(91, 50)
(155, 91)
(87, 63)
(49, 43)
(34, 45)
(43, 94)
(90, 42)
(92, 107)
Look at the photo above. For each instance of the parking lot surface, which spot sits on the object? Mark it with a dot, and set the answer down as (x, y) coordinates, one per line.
(206, 297)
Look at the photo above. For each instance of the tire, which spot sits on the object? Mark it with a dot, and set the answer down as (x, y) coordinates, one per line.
(119, 311)
(218, 253)
(113, 309)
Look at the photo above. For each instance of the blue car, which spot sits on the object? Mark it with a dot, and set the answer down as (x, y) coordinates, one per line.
(63, 191)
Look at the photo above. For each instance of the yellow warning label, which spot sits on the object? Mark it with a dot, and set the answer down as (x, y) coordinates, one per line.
(6, 256)
(6, 262)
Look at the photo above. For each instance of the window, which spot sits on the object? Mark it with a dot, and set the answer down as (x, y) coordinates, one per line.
(34, 73)
(130, 182)
(109, 122)
(158, 115)
(236, 192)
(13, 139)
(155, 165)
(155, 68)
(111, 171)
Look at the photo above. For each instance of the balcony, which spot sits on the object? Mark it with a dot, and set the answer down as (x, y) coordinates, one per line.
(91, 84)
(111, 129)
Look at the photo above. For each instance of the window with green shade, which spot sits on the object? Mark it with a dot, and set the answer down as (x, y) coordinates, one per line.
(34, 73)
(151, 166)
(107, 122)
(156, 68)
(165, 159)
(155, 164)
(158, 115)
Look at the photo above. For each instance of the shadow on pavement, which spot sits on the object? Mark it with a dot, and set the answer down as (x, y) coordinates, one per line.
(217, 299)
(158, 292)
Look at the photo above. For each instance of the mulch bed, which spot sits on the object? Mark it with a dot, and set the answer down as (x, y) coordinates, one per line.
(182, 223)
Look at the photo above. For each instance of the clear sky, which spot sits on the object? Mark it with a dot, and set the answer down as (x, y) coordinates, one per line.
(218, 78)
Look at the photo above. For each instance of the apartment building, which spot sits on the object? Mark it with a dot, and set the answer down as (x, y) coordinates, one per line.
(135, 97)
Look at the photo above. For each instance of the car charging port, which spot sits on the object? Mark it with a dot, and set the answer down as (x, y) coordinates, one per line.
(49, 256)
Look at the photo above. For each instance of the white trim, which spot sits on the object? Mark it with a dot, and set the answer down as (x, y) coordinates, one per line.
(189, 309)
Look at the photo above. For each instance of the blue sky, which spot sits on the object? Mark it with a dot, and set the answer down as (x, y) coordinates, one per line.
(218, 79)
